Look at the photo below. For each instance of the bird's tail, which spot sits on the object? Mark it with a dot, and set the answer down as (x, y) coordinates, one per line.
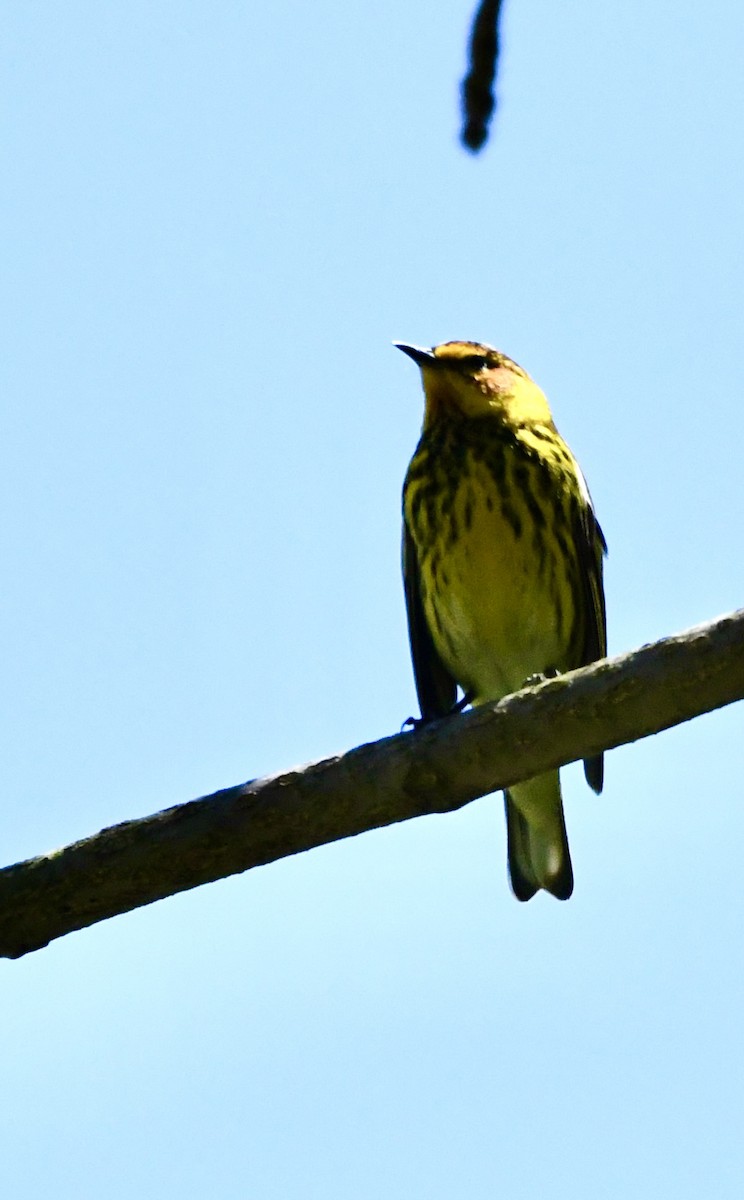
(536, 836)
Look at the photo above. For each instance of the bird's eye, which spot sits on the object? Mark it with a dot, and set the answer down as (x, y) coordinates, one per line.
(474, 363)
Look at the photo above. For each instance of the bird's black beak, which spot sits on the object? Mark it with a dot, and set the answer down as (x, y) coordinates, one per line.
(420, 355)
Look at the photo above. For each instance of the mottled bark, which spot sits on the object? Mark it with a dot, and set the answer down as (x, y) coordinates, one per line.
(432, 770)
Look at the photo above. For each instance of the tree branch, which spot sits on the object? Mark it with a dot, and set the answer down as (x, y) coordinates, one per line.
(437, 769)
(478, 99)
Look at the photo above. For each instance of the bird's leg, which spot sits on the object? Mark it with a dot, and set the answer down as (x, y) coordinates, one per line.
(466, 699)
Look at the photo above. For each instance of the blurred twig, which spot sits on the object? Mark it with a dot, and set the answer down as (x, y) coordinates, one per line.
(478, 101)
(436, 769)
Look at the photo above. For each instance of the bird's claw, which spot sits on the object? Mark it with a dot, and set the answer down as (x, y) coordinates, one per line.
(412, 723)
(415, 723)
(541, 677)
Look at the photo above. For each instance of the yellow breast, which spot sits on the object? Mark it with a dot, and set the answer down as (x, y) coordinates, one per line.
(496, 589)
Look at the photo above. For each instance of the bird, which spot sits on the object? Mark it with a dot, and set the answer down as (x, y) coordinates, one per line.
(502, 570)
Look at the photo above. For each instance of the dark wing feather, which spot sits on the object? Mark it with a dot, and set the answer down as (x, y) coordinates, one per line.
(591, 547)
(435, 687)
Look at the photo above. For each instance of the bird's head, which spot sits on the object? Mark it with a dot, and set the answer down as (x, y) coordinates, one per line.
(470, 379)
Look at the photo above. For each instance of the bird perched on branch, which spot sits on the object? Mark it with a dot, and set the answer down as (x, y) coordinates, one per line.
(502, 566)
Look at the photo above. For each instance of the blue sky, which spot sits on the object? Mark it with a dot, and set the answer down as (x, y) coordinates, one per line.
(217, 219)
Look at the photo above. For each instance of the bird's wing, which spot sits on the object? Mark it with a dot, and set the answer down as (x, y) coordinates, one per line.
(591, 547)
(435, 687)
